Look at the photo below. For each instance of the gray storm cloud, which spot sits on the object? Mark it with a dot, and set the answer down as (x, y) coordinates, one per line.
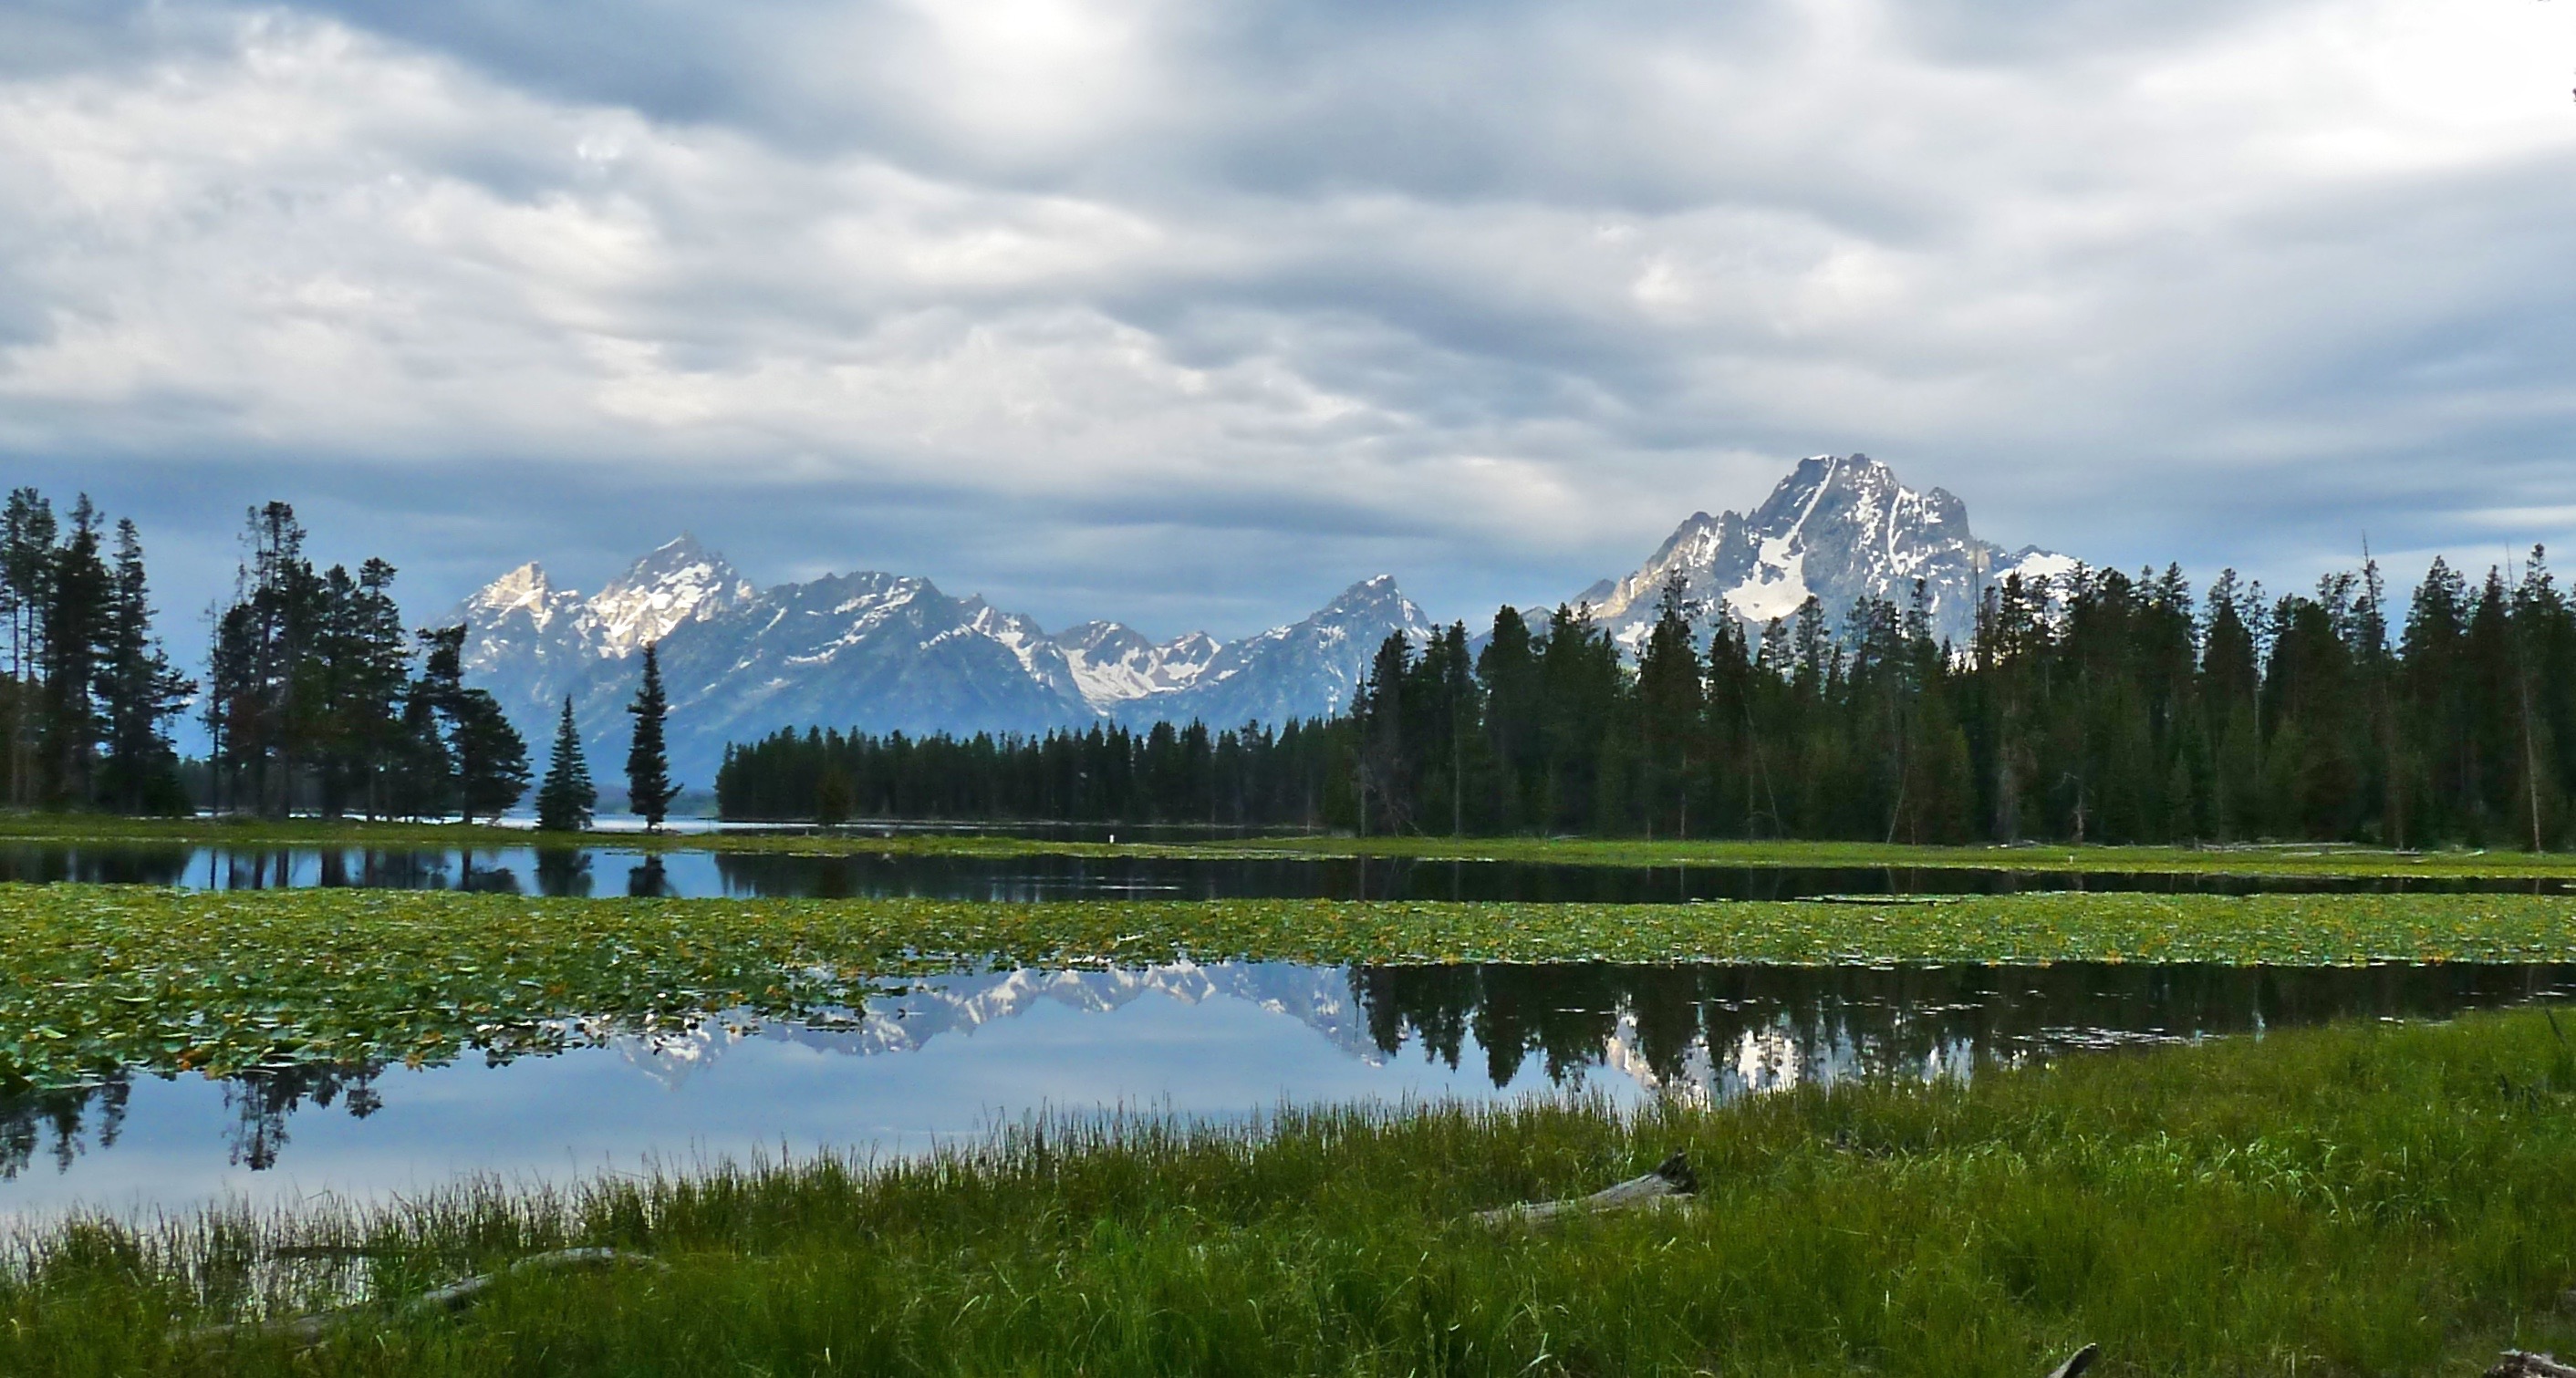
(1189, 317)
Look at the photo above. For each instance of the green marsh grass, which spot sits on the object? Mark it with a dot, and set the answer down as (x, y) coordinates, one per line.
(95, 980)
(2358, 1199)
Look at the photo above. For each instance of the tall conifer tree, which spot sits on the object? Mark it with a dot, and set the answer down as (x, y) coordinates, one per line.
(138, 693)
(76, 623)
(649, 790)
(26, 583)
(565, 799)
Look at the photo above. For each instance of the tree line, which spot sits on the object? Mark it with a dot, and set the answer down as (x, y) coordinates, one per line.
(317, 697)
(2095, 706)
(89, 692)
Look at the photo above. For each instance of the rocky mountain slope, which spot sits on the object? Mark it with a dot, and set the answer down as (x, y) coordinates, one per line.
(1838, 527)
(881, 653)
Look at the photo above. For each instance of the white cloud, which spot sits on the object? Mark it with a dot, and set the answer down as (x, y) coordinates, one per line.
(1478, 281)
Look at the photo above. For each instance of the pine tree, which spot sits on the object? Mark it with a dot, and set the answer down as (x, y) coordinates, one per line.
(649, 790)
(138, 693)
(1508, 671)
(566, 798)
(419, 779)
(265, 703)
(76, 618)
(490, 758)
(1672, 703)
(26, 583)
(372, 686)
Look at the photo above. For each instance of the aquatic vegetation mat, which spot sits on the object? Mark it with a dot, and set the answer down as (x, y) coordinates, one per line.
(2361, 1199)
(96, 980)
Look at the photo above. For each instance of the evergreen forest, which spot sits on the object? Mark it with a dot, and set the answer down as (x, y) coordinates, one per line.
(315, 698)
(2097, 707)
(89, 693)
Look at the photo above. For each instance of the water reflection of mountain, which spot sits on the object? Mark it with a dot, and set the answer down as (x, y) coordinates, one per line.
(1703, 1032)
(1318, 997)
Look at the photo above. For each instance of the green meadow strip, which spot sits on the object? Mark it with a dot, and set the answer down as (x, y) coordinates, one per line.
(2311, 859)
(100, 979)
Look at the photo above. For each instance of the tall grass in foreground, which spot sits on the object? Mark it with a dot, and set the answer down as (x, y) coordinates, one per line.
(2356, 1199)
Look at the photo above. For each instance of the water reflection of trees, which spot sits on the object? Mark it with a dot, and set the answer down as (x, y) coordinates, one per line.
(1691, 1022)
(563, 873)
(1700, 1029)
(646, 880)
(262, 1098)
(116, 864)
(64, 1124)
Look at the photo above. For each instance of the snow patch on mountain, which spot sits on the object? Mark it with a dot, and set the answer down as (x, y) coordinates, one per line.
(1111, 665)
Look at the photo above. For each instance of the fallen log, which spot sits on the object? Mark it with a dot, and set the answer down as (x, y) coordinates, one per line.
(454, 1297)
(2517, 1364)
(1671, 1179)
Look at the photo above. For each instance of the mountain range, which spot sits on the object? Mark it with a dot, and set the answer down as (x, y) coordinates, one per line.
(883, 652)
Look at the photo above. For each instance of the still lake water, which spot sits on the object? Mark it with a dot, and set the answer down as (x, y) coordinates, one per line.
(606, 870)
(954, 1057)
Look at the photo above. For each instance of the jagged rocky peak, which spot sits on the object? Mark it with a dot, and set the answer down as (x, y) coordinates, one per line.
(525, 589)
(1837, 527)
(1375, 601)
(678, 582)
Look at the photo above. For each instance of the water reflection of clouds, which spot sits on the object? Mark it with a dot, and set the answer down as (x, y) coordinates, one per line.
(948, 1058)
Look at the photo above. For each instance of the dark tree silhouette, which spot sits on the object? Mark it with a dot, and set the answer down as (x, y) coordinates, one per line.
(649, 790)
(566, 797)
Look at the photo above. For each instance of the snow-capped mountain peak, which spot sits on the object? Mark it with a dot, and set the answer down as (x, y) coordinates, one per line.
(1838, 528)
(676, 583)
(522, 590)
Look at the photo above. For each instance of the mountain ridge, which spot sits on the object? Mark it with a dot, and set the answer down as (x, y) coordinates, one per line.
(880, 652)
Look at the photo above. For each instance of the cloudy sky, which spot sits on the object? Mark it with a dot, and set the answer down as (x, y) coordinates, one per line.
(1191, 314)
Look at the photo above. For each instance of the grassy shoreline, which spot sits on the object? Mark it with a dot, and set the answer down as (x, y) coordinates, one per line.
(2288, 860)
(2354, 1199)
(96, 979)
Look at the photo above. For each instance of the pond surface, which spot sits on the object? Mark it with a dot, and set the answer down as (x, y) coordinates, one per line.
(608, 869)
(944, 1058)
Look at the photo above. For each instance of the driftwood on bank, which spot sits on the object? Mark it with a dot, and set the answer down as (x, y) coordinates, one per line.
(1672, 1178)
(454, 1297)
(2517, 1364)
